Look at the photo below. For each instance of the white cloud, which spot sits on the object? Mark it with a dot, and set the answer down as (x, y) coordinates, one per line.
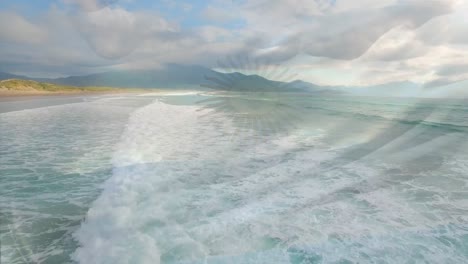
(115, 33)
(216, 14)
(90, 5)
(345, 35)
(325, 41)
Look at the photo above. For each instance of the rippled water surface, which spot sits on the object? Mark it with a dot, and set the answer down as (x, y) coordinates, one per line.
(235, 178)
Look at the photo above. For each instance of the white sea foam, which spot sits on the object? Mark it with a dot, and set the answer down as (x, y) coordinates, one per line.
(161, 147)
(169, 93)
(51, 162)
(183, 192)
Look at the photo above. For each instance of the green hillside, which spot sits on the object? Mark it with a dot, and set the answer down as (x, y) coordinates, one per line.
(16, 86)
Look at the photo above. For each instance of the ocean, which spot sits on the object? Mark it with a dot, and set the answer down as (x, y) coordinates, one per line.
(234, 178)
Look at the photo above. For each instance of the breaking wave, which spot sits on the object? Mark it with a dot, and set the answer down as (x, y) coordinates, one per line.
(183, 192)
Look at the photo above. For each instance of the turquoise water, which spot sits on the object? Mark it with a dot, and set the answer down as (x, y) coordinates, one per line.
(235, 178)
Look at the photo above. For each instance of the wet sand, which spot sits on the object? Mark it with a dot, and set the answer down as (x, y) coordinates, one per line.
(21, 102)
(17, 103)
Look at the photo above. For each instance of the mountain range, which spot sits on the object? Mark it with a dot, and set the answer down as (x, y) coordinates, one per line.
(175, 76)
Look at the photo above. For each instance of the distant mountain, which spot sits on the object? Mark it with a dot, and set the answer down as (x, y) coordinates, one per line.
(171, 76)
(174, 76)
(6, 76)
(249, 83)
(180, 77)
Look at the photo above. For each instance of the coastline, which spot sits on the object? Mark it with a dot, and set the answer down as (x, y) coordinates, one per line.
(20, 88)
(5, 94)
(31, 100)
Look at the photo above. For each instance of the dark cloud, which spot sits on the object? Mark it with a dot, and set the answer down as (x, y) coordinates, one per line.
(452, 69)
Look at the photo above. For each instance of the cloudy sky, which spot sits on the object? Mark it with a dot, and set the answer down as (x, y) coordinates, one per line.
(328, 42)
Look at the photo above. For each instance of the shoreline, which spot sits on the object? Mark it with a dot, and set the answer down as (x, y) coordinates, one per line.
(34, 100)
(19, 88)
(26, 100)
(40, 93)
(22, 96)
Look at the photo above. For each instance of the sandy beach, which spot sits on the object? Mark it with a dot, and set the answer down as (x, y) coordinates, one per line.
(21, 101)
(5, 93)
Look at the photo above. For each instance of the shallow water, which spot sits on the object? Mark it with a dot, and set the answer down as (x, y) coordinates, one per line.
(236, 178)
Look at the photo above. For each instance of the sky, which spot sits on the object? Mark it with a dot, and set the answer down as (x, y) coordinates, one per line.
(327, 42)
